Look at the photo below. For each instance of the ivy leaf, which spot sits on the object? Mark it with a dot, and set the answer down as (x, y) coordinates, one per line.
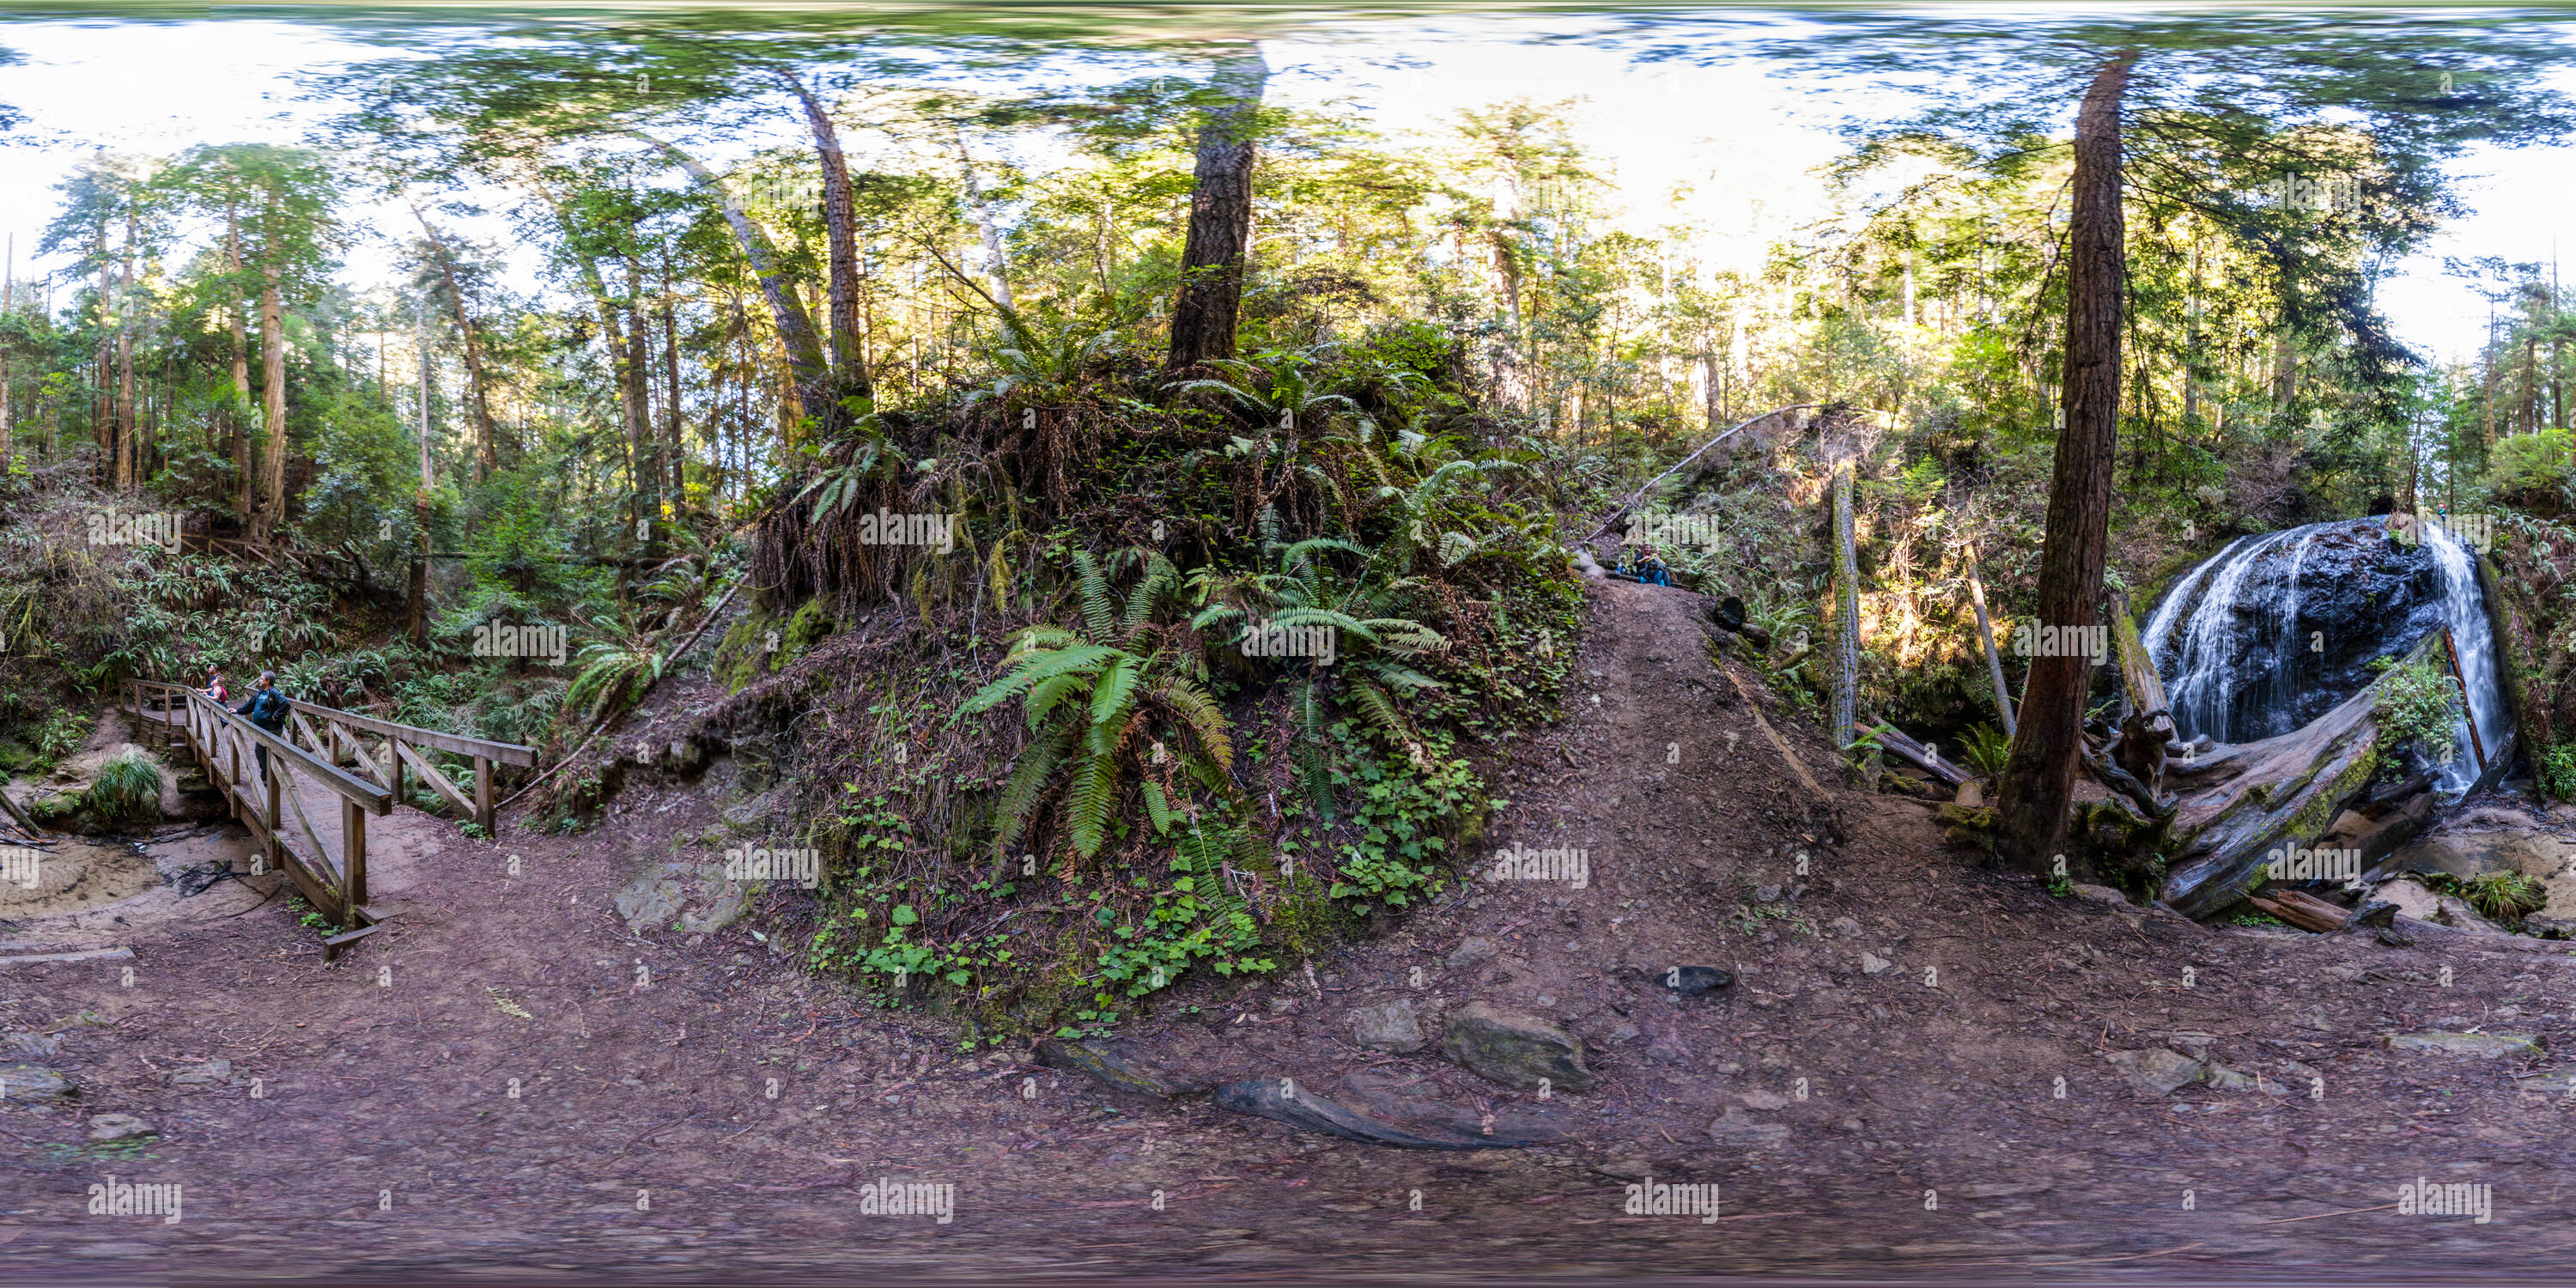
(905, 916)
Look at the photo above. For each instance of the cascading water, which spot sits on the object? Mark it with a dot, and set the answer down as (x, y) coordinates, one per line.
(2271, 632)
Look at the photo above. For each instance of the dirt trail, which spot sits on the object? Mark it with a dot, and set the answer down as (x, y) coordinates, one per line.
(644, 1136)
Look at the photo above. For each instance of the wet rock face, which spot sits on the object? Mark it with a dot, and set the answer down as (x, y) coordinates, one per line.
(2309, 617)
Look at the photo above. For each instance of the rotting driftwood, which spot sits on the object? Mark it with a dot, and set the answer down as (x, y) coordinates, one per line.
(2241, 800)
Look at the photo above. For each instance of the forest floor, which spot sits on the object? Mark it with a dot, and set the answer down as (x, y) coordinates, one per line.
(1876, 1094)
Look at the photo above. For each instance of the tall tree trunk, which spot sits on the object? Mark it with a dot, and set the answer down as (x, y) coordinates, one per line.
(128, 440)
(840, 230)
(487, 456)
(995, 262)
(272, 340)
(673, 454)
(1210, 303)
(636, 377)
(2038, 785)
(805, 362)
(102, 420)
(240, 412)
(1846, 607)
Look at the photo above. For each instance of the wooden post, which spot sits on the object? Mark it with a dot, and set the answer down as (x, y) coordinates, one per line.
(1986, 633)
(483, 792)
(275, 820)
(1846, 608)
(353, 848)
(394, 760)
(232, 788)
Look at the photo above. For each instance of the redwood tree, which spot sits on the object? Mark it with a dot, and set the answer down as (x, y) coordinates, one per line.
(1220, 235)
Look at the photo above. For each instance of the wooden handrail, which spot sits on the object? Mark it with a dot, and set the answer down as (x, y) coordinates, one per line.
(374, 799)
(508, 753)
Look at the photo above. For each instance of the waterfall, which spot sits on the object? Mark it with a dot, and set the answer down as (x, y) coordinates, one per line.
(2276, 628)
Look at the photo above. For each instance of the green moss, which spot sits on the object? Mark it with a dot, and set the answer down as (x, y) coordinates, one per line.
(811, 625)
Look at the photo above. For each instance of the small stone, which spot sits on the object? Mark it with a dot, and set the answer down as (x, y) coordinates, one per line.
(1691, 981)
(2101, 894)
(213, 1073)
(1394, 1026)
(35, 1084)
(2226, 1079)
(1846, 927)
(1764, 1100)
(1970, 796)
(1766, 894)
(1282, 1005)
(1625, 1033)
(2155, 1071)
(1730, 1068)
(1735, 1128)
(1514, 1049)
(110, 1127)
(1852, 1125)
(1872, 963)
(2482, 1046)
(1474, 950)
(37, 1045)
(1626, 1169)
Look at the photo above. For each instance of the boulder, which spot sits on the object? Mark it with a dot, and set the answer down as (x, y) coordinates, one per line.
(1393, 1026)
(1514, 1049)
(115, 1127)
(35, 1084)
(2155, 1071)
(2412, 899)
(2481, 1046)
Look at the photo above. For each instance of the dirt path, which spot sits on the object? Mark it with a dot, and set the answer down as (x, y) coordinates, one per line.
(367, 1122)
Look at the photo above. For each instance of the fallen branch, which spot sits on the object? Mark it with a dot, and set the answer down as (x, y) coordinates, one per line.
(1622, 507)
(611, 717)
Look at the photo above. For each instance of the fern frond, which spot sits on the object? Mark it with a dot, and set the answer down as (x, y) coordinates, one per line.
(1198, 711)
(1087, 800)
(1114, 692)
(1028, 783)
(1156, 808)
(1036, 667)
(1095, 596)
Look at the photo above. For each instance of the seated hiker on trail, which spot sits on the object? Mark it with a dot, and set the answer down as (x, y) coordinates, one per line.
(214, 685)
(1650, 568)
(266, 707)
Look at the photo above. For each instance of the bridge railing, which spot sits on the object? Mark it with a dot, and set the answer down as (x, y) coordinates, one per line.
(339, 737)
(262, 797)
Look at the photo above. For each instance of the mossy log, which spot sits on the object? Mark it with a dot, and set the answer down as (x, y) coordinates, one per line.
(2240, 801)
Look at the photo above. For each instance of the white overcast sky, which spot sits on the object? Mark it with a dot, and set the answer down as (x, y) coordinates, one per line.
(1735, 142)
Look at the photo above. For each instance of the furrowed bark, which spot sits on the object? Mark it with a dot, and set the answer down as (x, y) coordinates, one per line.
(2038, 785)
(1210, 303)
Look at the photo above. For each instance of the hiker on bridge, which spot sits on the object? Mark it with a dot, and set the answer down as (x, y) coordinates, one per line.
(214, 685)
(266, 708)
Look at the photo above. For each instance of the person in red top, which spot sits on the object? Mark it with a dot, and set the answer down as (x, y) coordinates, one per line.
(214, 684)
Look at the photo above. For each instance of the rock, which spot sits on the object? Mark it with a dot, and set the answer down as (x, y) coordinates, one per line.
(1116, 1069)
(1691, 981)
(2194, 1044)
(35, 1084)
(1845, 926)
(2225, 1079)
(1282, 1005)
(1626, 1033)
(213, 1073)
(1411, 1105)
(1514, 1049)
(2412, 899)
(1766, 894)
(1667, 1048)
(2101, 894)
(1472, 951)
(1970, 796)
(1286, 1100)
(111, 1127)
(2155, 1071)
(1393, 1026)
(1626, 1169)
(1764, 1100)
(1735, 1128)
(38, 1045)
(1872, 963)
(2483, 1046)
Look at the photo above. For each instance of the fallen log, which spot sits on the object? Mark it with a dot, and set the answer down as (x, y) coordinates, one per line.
(1913, 753)
(2305, 911)
(2246, 798)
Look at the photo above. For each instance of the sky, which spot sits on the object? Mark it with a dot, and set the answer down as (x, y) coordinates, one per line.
(1728, 148)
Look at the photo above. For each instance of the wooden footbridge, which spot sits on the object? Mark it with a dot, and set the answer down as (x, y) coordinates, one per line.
(327, 748)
